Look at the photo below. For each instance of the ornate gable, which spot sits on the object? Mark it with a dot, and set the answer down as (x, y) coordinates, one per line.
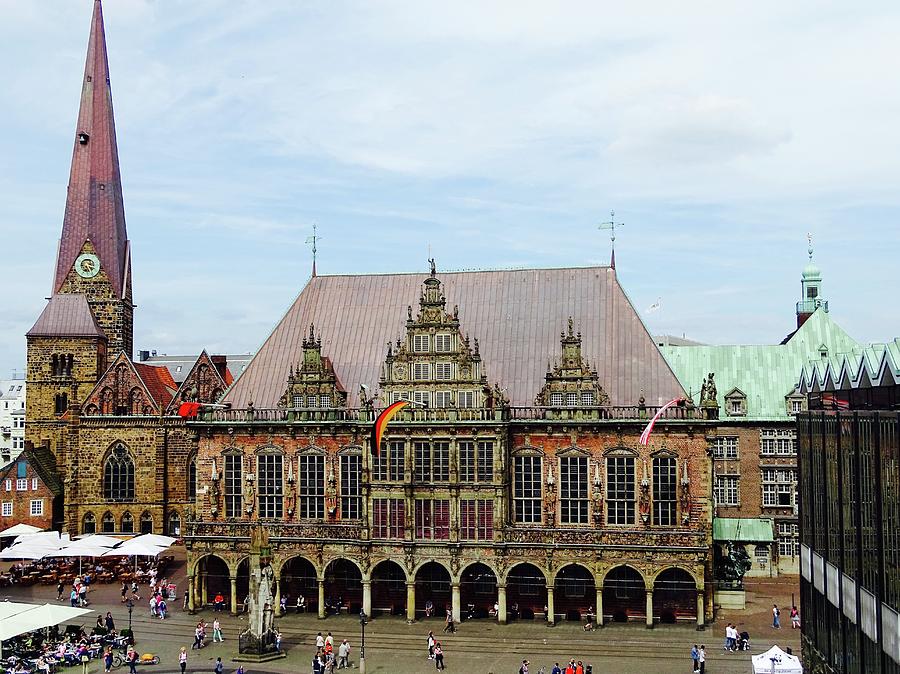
(313, 382)
(434, 363)
(571, 382)
(204, 383)
(124, 391)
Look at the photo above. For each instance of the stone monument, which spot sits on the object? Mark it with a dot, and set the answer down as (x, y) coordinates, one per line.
(258, 642)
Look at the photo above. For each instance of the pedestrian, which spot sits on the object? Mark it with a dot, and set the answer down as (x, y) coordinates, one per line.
(329, 641)
(217, 631)
(556, 669)
(161, 608)
(182, 659)
(240, 670)
(439, 656)
(132, 658)
(73, 597)
(449, 627)
(198, 638)
(110, 623)
(153, 605)
(218, 668)
(59, 590)
(701, 658)
(82, 595)
(776, 617)
(524, 668)
(107, 660)
(124, 591)
(320, 641)
(431, 642)
(184, 605)
(277, 641)
(695, 659)
(343, 654)
(795, 618)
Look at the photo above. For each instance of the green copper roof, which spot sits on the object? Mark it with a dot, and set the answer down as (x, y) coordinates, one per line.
(764, 373)
(742, 529)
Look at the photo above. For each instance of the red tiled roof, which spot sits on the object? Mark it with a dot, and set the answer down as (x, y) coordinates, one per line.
(66, 316)
(158, 381)
(517, 317)
(94, 206)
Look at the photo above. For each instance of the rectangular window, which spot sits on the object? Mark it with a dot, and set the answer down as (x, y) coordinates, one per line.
(573, 490)
(527, 471)
(476, 520)
(465, 399)
(442, 343)
(476, 461)
(571, 399)
(442, 399)
(421, 371)
(727, 490)
(620, 491)
(796, 406)
(7, 485)
(22, 484)
(7, 509)
(664, 493)
(788, 547)
(21, 469)
(297, 401)
(433, 519)
(725, 447)
(234, 476)
(778, 486)
(34, 484)
(311, 490)
(312, 401)
(485, 467)
(324, 400)
(423, 397)
(420, 343)
(587, 398)
(557, 399)
(777, 442)
(388, 518)
(270, 483)
(443, 371)
(399, 395)
(431, 461)
(37, 507)
(388, 465)
(351, 493)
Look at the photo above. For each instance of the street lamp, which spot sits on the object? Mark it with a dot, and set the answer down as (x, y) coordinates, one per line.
(363, 619)
(130, 606)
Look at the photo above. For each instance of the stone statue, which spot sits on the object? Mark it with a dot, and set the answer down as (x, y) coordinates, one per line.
(249, 495)
(433, 266)
(258, 640)
(711, 391)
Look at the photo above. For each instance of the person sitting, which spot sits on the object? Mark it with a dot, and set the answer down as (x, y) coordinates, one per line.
(514, 610)
(495, 611)
(589, 626)
(218, 602)
(283, 606)
(429, 608)
(301, 603)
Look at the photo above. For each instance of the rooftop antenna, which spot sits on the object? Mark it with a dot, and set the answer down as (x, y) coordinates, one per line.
(611, 226)
(311, 240)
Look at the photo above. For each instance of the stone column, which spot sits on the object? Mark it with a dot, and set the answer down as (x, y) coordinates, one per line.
(455, 602)
(501, 603)
(321, 606)
(410, 602)
(204, 588)
(277, 608)
(234, 597)
(599, 606)
(191, 596)
(649, 608)
(701, 610)
(550, 609)
(367, 597)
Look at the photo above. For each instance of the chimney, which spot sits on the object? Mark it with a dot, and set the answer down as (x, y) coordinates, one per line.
(221, 364)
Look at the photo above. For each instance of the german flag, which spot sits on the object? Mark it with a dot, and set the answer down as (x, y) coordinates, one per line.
(386, 415)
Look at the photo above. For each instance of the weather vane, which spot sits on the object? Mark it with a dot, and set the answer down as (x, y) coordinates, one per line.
(611, 226)
(810, 249)
(311, 241)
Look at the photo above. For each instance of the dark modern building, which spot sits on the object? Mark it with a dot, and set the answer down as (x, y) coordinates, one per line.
(849, 446)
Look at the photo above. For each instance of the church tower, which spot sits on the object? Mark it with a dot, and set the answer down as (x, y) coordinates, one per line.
(811, 288)
(89, 316)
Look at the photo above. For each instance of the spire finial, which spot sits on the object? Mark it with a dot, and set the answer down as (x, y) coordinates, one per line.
(311, 241)
(810, 249)
(611, 226)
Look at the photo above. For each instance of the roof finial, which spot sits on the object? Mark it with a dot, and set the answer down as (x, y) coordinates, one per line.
(611, 226)
(810, 249)
(311, 240)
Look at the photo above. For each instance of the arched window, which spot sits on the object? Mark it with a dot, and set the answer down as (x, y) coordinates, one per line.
(89, 524)
(118, 475)
(174, 524)
(135, 400)
(127, 523)
(108, 524)
(146, 523)
(192, 477)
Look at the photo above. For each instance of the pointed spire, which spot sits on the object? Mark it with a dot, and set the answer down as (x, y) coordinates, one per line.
(94, 206)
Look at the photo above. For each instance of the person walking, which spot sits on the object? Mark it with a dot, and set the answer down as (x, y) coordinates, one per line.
(218, 668)
(776, 617)
(217, 631)
(695, 659)
(701, 659)
(320, 641)
(431, 642)
(132, 659)
(107, 659)
(795, 618)
(182, 659)
(343, 654)
(124, 592)
(450, 626)
(556, 669)
(59, 590)
(439, 656)
(524, 668)
(110, 623)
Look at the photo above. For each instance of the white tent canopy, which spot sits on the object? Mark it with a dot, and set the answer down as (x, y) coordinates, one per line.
(154, 539)
(134, 547)
(18, 530)
(43, 538)
(35, 616)
(97, 540)
(776, 661)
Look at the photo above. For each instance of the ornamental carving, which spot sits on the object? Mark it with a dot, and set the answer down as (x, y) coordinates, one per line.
(205, 383)
(126, 389)
(312, 382)
(571, 382)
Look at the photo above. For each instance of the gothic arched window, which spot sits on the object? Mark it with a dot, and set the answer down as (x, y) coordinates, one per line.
(118, 475)
(146, 522)
(174, 524)
(89, 524)
(108, 524)
(127, 523)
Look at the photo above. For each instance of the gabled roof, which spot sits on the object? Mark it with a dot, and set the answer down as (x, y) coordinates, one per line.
(516, 315)
(94, 205)
(66, 316)
(41, 459)
(188, 381)
(158, 381)
(765, 373)
(872, 365)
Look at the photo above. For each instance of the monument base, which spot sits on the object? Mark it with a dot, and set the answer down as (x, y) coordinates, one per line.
(259, 657)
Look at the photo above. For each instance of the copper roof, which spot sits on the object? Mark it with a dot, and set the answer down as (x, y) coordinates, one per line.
(66, 316)
(517, 317)
(94, 206)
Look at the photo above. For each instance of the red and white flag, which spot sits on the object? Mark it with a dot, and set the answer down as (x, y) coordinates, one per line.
(645, 436)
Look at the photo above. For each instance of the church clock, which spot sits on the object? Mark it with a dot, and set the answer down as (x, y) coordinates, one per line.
(87, 265)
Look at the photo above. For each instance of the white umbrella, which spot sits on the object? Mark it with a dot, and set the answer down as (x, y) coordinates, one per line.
(98, 539)
(44, 537)
(18, 530)
(134, 547)
(776, 661)
(22, 551)
(37, 617)
(154, 539)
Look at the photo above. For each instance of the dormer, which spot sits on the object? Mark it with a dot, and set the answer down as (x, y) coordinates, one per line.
(736, 403)
(313, 382)
(571, 382)
(795, 402)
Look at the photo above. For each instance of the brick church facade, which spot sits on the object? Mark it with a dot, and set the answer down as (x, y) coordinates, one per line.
(515, 476)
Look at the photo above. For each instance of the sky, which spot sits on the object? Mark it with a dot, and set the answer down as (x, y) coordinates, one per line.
(485, 134)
